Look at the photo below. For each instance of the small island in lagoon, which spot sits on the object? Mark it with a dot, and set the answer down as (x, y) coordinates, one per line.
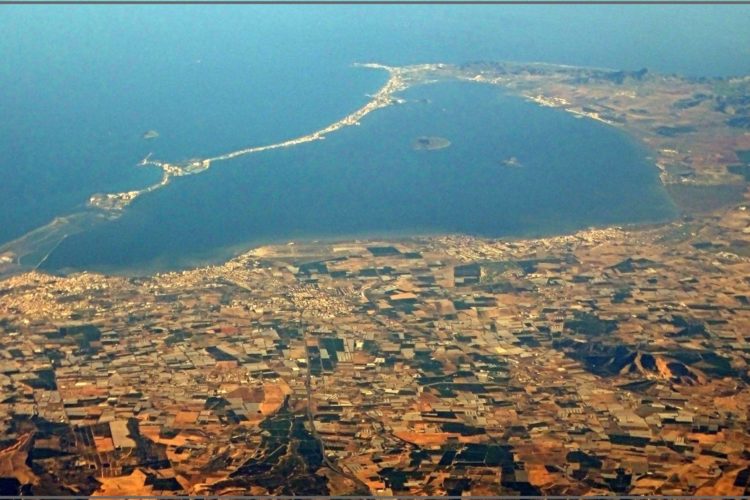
(429, 143)
(511, 162)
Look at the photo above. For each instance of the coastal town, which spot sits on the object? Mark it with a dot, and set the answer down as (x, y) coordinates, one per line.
(609, 361)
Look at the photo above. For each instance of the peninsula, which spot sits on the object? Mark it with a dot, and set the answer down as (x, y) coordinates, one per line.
(696, 128)
(610, 361)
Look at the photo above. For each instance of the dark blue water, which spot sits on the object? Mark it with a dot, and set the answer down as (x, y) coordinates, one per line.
(370, 180)
(82, 84)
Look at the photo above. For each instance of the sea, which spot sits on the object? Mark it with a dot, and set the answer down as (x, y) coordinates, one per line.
(81, 85)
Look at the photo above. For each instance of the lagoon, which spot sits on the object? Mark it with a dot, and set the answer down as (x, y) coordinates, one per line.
(81, 85)
(369, 180)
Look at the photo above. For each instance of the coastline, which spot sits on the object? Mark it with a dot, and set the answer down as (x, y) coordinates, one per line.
(222, 255)
(526, 80)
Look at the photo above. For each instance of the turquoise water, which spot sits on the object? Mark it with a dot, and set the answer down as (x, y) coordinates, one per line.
(82, 84)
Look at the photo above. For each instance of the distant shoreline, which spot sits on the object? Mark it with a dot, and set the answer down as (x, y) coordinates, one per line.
(545, 84)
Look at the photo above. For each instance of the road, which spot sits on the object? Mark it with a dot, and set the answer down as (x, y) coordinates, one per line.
(362, 488)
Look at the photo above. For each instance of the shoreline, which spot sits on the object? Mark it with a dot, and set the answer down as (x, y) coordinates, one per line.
(544, 84)
(112, 205)
(381, 99)
(222, 255)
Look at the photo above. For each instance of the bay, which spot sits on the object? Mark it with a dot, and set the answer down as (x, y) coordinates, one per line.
(369, 180)
(81, 84)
